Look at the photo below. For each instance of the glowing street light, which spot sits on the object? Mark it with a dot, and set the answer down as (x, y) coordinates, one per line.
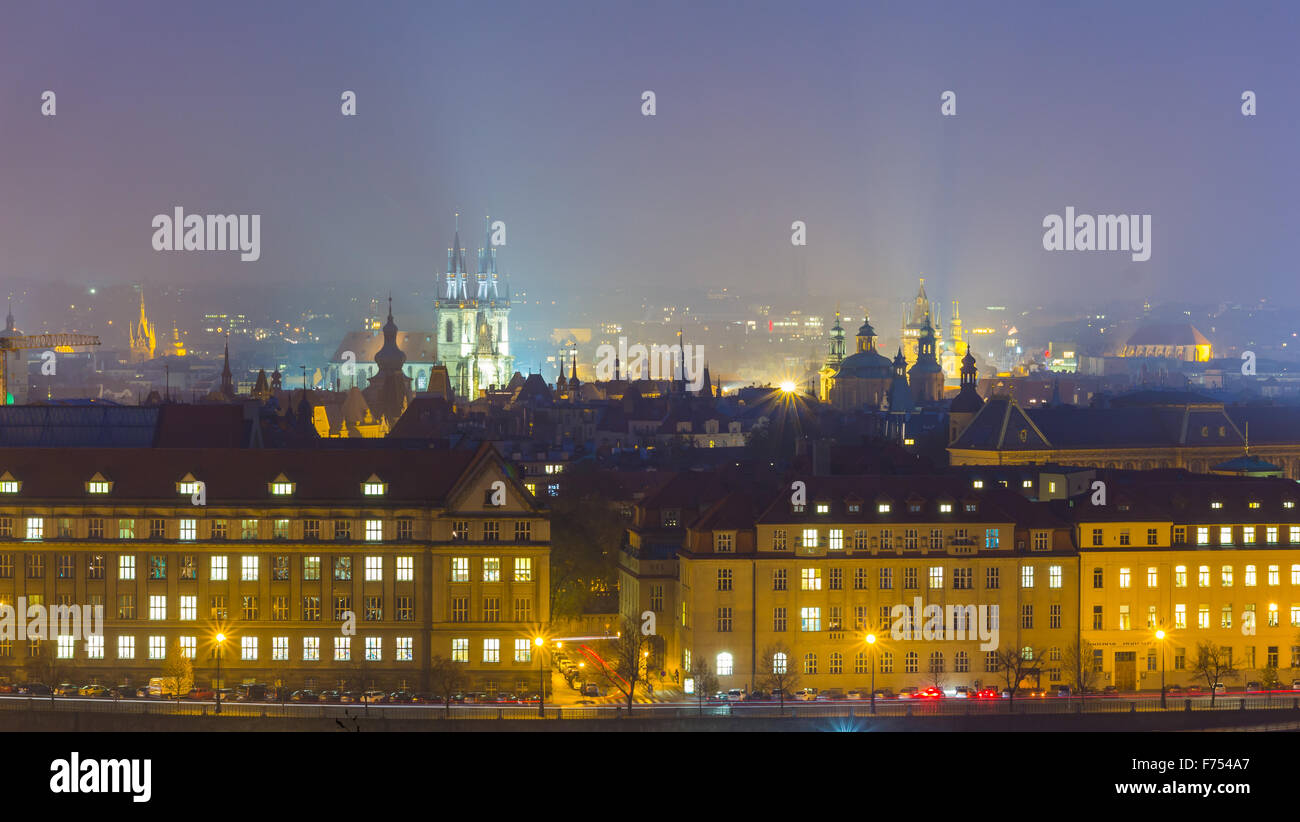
(788, 387)
(221, 639)
(541, 677)
(1160, 637)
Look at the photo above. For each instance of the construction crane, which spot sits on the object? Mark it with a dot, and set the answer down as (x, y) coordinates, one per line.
(63, 343)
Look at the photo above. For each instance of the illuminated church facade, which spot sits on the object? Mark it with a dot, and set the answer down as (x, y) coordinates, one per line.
(472, 321)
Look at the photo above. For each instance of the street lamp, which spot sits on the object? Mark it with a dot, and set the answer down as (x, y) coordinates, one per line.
(871, 643)
(541, 679)
(221, 638)
(1160, 637)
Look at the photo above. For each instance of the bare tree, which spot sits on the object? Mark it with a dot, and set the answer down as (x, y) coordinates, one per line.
(1213, 663)
(704, 680)
(1080, 667)
(1014, 664)
(626, 665)
(178, 670)
(446, 678)
(779, 673)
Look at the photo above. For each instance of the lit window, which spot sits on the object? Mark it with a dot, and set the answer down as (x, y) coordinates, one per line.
(189, 607)
(248, 647)
(724, 666)
(1124, 577)
(374, 649)
(811, 579)
(523, 650)
(157, 647)
(374, 489)
(311, 649)
(491, 569)
(810, 538)
(157, 607)
(126, 647)
(883, 508)
(96, 487)
(1054, 576)
(460, 649)
(217, 569)
(189, 529)
(248, 568)
(823, 508)
(374, 569)
(95, 647)
(66, 646)
(460, 569)
(1026, 576)
(126, 567)
(491, 650)
(374, 530)
(945, 507)
(977, 484)
(405, 569)
(523, 569)
(342, 649)
(279, 648)
(35, 528)
(405, 649)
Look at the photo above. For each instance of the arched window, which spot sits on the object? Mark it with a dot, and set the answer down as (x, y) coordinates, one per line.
(779, 663)
(724, 664)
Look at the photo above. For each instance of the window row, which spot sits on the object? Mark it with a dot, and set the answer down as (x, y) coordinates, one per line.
(248, 567)
(935, 577)
(1250, 576)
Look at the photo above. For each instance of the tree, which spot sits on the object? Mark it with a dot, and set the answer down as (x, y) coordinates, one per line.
(1213, 663)
(1080, 669)
(178, 670)
(586, 532)
(705, 682)
(1268, 680)
(446, 678)
(43, 666)
(626, 663)
(779, 672)
(1014, 664)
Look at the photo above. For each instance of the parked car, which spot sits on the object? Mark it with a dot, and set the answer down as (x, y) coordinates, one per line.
(806, 695)
(329, 696)
(855, 694)
(349, 697)
(988, 693)
(304, 695)
(931, 692)
(885, 693)
(907, 693)
(400, 697)
(961, 692)
(735, 695)
(592, 689)
(1295, 684)
(92, 690)
(65, 689)
(372, 695)
(201, 693)
(34, 689)
(1220, 689)
(250, 692)
(1037, 693)
(1254, 688)
(1110, 692)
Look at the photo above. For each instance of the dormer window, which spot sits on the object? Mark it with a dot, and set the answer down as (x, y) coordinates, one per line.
(1254, 503)
(374, 487)
(1290, 503)
(945, 508)
(187, 485)
(1216, 504)
(98, 484)
(282, 487)
(883, 508)
(1027, 484)
(9, 485)
(855, 507)
(977, 484)
(823, 508)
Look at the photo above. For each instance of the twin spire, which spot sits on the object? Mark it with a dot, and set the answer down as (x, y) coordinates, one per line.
(457, 278)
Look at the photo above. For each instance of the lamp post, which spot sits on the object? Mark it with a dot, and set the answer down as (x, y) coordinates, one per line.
(1160, 637)
(541, 679)
(871, 644)
(221, 638)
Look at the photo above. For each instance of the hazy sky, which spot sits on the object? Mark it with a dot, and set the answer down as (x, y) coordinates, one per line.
(767, 113)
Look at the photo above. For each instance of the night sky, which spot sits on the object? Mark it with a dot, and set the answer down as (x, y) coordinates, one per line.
(767, 113)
